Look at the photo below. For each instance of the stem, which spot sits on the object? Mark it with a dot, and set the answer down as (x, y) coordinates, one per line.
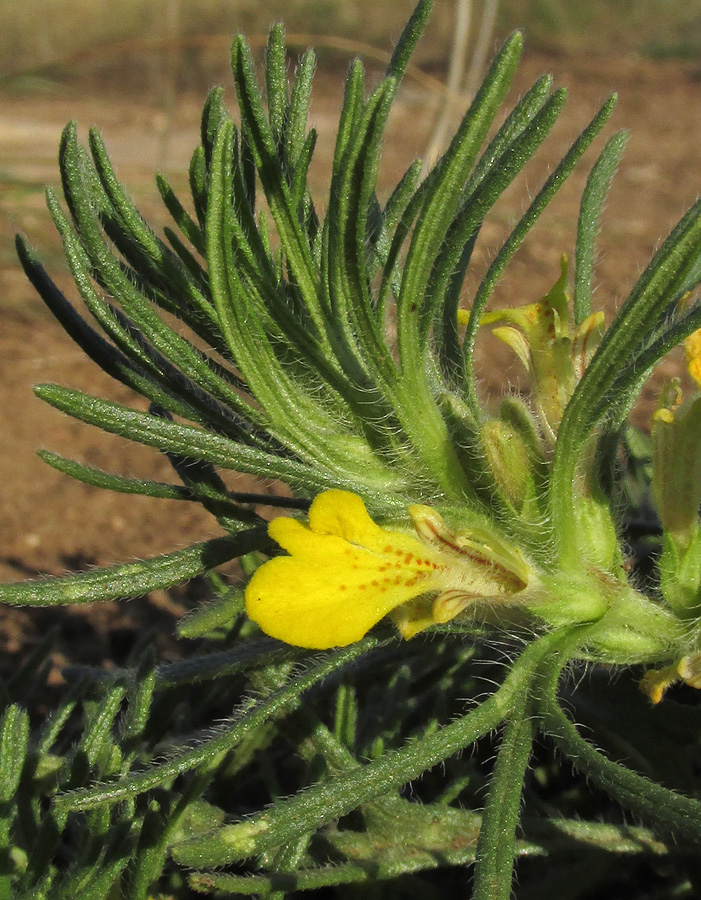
(496, 847)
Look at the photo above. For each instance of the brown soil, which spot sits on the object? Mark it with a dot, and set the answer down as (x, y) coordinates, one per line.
(50, 524)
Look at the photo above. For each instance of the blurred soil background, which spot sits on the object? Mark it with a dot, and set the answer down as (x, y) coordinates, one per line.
(140, 71)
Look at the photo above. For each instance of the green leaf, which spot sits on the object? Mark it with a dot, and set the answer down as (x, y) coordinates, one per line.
(181, 217)
(593, 199)
(276, 81)
(296, 419)
(298, 111)
(196, 443)
(349, 284)
(14, 738)
(136, 372)
(261, 142)
(97, 478)
(539, 203)
(452, 260)
(198, 184)
(220, 613)
(98, 737)
(133, 579)
(93, 257)
(615, 406)
(408, 40)
(227, 737)
(442, 202)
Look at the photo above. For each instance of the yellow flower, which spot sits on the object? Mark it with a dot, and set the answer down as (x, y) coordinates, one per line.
(654, 683)
(554, 352)
(692, 348)
(692, 343)
(345, 573)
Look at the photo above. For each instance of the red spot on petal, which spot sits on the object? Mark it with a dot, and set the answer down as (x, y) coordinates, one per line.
(387, 549)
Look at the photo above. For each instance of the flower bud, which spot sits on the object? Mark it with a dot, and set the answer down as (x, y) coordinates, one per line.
(510, 461)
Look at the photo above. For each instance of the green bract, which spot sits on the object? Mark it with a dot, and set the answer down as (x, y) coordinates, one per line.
(338, 360)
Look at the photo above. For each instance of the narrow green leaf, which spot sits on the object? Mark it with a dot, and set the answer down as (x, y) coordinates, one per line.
(616, 405)
(658, 288)
(14, 738)
(346, 717)
(299, 180)
(519, 118)
(139, 700)
(276, 81)
(351, 111)
(98, 735)
(254, 653)
(54, 722)
(155, 268)
(452, 259)
(122, 485)
(192, 442)
(221, 613)
(163, 377)
(400, 197)
(296, 418)
(115, 363)
(301, 880)
(95, 882)
(227, 736)
(214, 115)
(442, 202)
(208, 489)
(351, 194)
(180, 352)
(188, 259)
(198, 184)
(260, 140)
(296, 122)
(593, 199)
(515, 239)
(408, 40)
(180, 215)
(133, 579)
